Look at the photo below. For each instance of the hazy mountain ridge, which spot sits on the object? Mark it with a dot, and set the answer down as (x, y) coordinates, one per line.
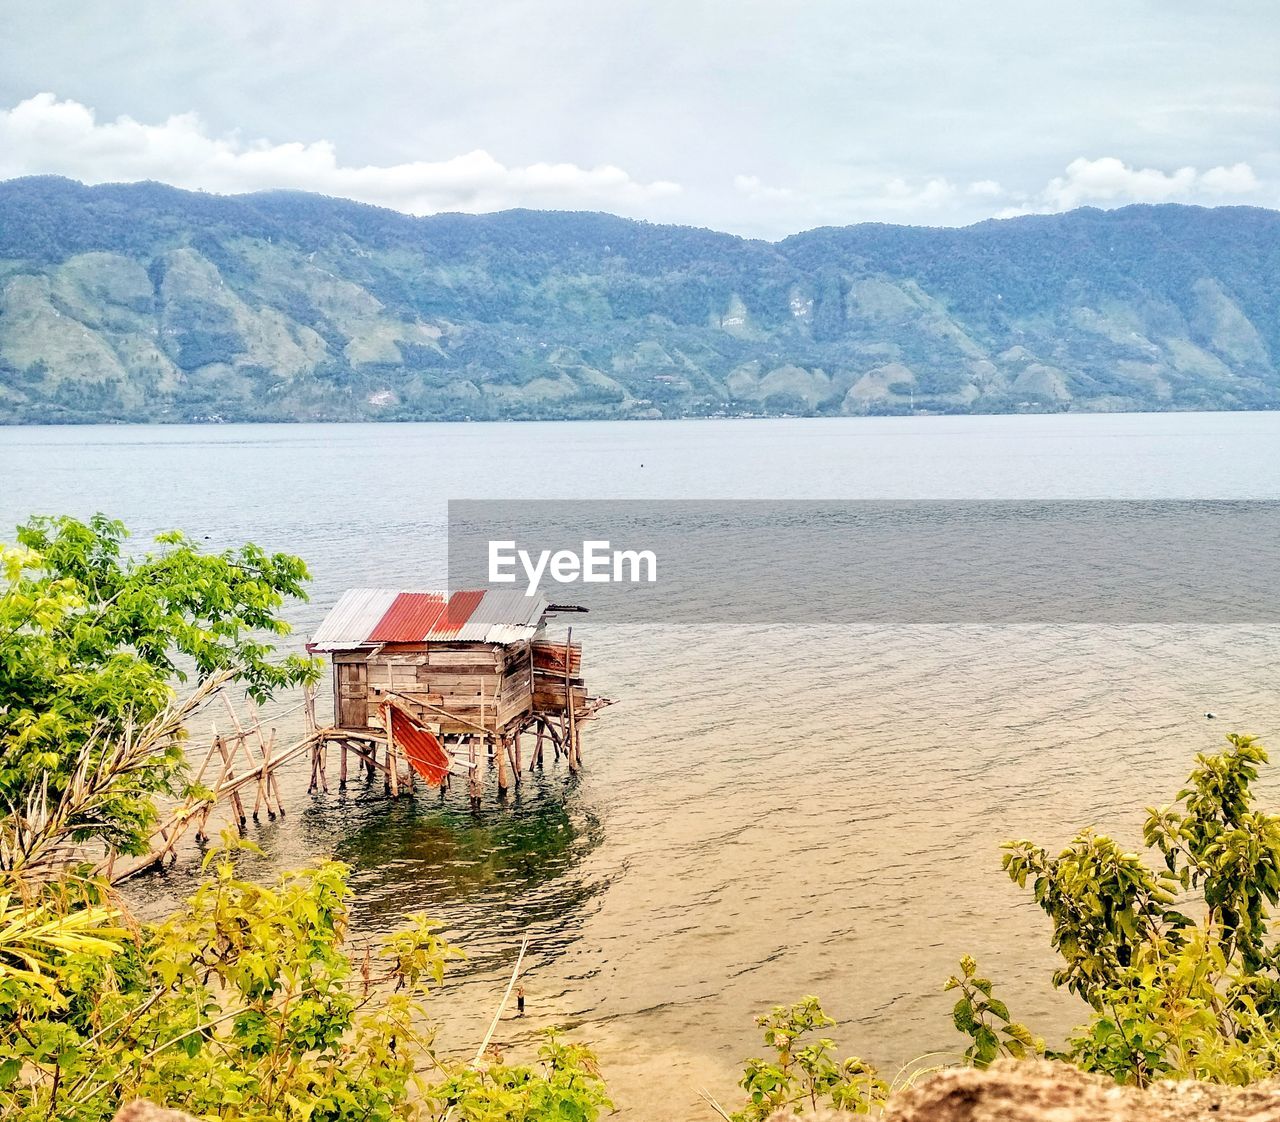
(142, 302)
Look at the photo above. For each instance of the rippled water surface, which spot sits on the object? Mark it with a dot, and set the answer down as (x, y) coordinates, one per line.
(769, 811)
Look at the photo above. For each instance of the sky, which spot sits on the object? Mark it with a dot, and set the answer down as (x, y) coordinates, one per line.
(760, 118)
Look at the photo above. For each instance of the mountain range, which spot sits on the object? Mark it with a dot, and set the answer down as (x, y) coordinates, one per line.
(141, 302)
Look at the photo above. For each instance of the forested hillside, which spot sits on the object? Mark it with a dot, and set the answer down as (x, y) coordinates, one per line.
(143, 302)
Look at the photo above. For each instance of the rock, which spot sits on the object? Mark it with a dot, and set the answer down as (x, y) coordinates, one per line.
(1042, 1091)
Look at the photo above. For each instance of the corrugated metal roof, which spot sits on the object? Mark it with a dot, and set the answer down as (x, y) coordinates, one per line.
(462, 606)
(352, 618)
(410, 617)
(498, 610)
(368, 616)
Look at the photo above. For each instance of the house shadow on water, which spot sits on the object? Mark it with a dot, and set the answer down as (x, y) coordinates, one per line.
(489, 876)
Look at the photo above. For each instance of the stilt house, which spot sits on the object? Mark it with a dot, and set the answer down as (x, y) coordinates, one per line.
(466, 664)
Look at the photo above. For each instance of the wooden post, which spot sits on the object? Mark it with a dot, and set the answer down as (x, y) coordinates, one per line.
(393, 764)
(570, 728)
(309, 707)
(228, 772)
(502, 767)
(266, 747)
(342, 768)
(473, 775)
(204, 814)
(536, 759)
(243, 746)
(273, 784)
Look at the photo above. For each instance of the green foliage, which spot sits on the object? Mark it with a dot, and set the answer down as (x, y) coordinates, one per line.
(1172, 998)
(565, 1085)
(243, 1005)
(92, 641)
(802, 1074)
(985, 1019)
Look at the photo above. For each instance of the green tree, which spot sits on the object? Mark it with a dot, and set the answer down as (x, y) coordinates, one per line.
(1172, 998)
(92, 642)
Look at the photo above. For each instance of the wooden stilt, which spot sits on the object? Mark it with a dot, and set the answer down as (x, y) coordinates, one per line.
(273, 784)
(260, 796)
(266, 747)
(503, 781)
(324, 764)
(228, 772)
(242, 746)
(309, 707)
(473, 780)
(536, 760)
(568, 701)
(393, 763)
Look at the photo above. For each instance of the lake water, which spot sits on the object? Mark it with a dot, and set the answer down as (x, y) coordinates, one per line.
(768, 812)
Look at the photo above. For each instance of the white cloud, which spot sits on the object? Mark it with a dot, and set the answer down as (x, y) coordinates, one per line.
(898, 194)
(1238, 179)
(44, 135)
(1111, 180)
(985, 189)
(755, 189)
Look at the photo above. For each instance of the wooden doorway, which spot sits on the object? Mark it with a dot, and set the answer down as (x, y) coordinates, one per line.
(352, 701)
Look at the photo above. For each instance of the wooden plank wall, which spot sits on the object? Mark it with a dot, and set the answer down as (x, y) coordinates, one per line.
(514, 681)
(481, 684)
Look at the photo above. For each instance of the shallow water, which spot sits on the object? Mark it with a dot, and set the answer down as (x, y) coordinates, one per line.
(769, 811)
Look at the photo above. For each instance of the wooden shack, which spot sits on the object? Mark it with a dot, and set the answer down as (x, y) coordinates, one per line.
(477, 668)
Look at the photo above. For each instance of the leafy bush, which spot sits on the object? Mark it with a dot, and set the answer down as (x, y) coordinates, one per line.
(244, 1005)
(985, 1019)
(1172, 998)
(802, 1071)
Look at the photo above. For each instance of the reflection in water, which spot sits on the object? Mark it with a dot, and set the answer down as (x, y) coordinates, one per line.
(492, 875)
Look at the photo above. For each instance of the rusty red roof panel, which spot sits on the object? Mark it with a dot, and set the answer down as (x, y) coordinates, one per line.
(461, 605)
(419, 745)
(410, 617)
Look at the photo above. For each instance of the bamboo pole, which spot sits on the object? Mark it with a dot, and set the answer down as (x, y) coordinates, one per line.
(265, 747)
(473, 778)
(228, 772)
(501, 753)
(571, 731)
(393, 766)
(241, 737)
